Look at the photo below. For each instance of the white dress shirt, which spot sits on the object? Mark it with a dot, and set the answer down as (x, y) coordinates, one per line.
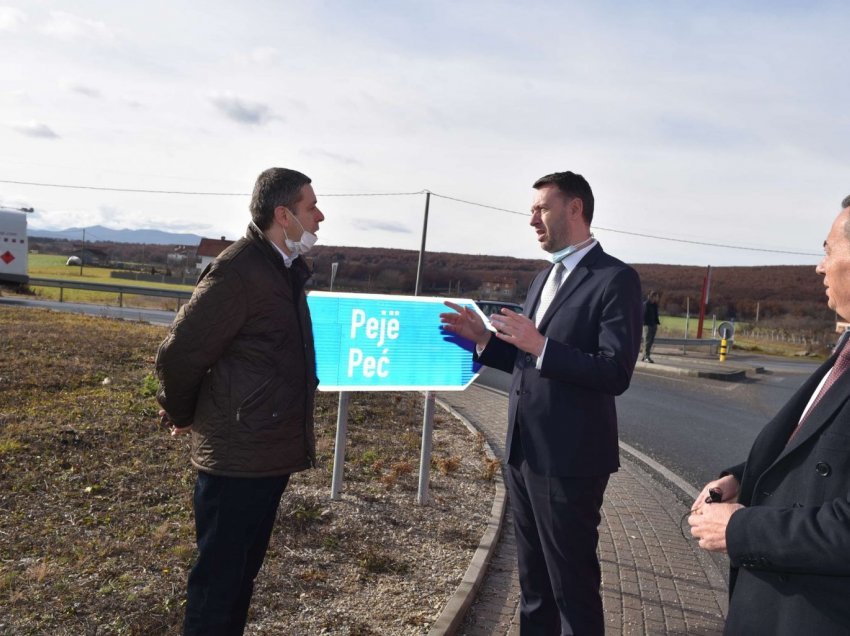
(569, 264)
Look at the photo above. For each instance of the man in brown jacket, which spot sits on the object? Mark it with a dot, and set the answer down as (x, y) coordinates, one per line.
(238, 372)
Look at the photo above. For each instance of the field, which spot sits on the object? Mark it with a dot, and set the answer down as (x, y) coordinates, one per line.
(53, 266)
(96, 530)
(674, 327)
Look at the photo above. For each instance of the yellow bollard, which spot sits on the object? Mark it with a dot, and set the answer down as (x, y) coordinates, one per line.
(723, 345)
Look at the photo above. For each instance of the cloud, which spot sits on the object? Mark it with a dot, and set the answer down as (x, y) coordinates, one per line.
(82, 89)
(11, 18)
(35, 129)
(71, 27)
(324, 154)
(17, 95)
(264, 55)
(380, 226)
(242, 111)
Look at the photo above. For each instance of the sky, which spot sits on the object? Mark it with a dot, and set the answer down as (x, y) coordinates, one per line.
(698, 125)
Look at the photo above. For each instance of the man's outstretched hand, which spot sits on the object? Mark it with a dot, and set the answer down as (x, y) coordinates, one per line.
(466, 323)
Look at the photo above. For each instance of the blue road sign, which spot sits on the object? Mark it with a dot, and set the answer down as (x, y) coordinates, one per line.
(372, 342)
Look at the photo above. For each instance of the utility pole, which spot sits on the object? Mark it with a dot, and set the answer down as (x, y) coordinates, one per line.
(706, 285)
(418, 289)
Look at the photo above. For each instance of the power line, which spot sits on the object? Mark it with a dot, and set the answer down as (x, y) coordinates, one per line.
(392, 194)
(136, 190)
(185, 192)
(480, 205)
(731, 247)
(652, 236)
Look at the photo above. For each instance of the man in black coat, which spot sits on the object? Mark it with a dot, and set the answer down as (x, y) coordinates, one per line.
(570, 352)
(784, 515)
(651, 322)
(237, 371)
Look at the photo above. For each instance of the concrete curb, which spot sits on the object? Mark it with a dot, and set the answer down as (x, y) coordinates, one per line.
(689, 492)
(454, 612)
(731, 375)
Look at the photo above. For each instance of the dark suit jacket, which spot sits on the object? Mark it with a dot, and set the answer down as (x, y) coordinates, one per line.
(566, 414)
(790, 548)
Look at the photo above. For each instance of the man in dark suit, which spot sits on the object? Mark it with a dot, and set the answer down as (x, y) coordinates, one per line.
(784, 514)
(571, 351)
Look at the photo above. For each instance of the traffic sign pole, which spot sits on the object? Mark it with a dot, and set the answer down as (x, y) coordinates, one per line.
(425, 455)
(339, 444)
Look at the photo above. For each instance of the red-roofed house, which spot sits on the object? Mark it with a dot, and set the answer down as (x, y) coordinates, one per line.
(208, 249)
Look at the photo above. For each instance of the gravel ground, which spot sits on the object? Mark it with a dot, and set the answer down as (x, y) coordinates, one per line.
(385, 564)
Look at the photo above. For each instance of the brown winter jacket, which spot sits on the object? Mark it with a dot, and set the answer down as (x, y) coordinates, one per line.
(239, 364)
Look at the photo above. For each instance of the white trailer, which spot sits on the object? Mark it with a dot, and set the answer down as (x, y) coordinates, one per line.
(13, 247)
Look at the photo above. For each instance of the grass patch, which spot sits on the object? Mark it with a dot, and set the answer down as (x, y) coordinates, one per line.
(96, 525)
(52, 266)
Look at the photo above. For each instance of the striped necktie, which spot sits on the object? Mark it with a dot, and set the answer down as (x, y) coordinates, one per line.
(842, 363)
(549, 291)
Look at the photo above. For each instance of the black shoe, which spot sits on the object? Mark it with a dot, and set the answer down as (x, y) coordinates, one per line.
(650, 360)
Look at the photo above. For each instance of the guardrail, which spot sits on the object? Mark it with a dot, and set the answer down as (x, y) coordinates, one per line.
(63, 284)
(712, 343)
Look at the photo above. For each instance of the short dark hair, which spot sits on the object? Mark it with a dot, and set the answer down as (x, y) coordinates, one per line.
(275, 187)
(571, 185)
(846, 202)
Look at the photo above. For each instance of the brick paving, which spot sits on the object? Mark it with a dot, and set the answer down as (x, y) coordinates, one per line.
(654, 580)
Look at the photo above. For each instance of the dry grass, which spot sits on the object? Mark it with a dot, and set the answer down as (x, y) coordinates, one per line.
(96, 529)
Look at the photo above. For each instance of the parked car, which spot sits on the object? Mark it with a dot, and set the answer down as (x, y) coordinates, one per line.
(490, 307)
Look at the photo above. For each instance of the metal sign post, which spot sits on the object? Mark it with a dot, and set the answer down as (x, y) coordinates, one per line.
(425, 455)
(339, 444)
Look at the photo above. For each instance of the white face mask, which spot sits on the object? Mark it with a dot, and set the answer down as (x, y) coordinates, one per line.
(302, 246)
(557, 257)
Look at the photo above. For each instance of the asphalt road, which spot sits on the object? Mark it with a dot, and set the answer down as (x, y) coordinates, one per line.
(693, 426)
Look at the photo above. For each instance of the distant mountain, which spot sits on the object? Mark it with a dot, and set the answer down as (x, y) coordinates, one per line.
(101, 233)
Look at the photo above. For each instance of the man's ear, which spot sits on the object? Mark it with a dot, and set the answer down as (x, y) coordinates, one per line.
(576, 207)
(281, 215)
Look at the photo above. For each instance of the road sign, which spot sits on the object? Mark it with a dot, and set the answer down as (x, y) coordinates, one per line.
(374, 342)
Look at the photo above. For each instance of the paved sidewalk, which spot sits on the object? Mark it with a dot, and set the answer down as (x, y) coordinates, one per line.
(654, 580)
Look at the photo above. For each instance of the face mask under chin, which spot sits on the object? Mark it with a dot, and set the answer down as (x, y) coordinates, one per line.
(561, 254)
(304, 244)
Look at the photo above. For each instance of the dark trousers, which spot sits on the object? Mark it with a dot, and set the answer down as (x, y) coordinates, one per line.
(556, 523)
(651, 330)
(233, 524)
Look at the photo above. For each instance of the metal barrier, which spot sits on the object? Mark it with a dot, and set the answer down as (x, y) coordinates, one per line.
(63, 284)
(711, 343)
